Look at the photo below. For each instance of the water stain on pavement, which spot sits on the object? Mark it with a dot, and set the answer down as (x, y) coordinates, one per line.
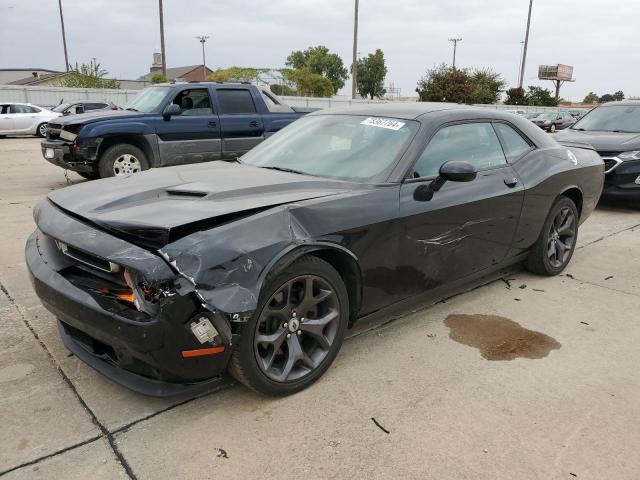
(499, 338)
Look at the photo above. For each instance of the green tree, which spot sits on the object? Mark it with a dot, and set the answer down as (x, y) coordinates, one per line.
(619, 95)
(539, 96)
(516, 96)
(88, 75)
(307, 83)
(445, 84)
(371, 73)
(158, 78)
(607, 97)
(487, 86)
(236, 74)
(284, 90)
(318, 60)
(591, 97)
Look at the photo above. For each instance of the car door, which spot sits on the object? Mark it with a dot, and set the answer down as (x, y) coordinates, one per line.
(25, 118)
(242, 127)
(194, 134)
(6, 119)
(465, 227)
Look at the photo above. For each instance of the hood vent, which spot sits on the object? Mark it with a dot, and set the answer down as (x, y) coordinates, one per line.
(185, 193)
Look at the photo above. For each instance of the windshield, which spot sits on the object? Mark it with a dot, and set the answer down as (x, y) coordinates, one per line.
(620, 118)
(61, 108)
(340, 146)
(148, 100)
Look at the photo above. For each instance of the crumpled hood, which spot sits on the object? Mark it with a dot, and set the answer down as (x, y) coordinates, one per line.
(602, 141)
(159, 206)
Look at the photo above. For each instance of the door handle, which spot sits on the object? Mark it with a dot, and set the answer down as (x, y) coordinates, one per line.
(212, 124)
(511, 182)
(253, 123)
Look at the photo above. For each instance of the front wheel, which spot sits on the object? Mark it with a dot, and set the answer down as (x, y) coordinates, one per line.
(122, 160)
(41, 131)
(554, 248)
(297, 330)
(552, 129)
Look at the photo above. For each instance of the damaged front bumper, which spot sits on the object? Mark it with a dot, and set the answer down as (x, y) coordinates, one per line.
(142, 350)
(70, 155)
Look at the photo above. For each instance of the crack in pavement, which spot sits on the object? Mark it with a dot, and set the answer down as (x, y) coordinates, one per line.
(608, 236)
(51, 455)
(104, 431)
(593, 284)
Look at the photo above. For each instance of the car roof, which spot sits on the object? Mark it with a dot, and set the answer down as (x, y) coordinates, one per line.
(628, 103)
(414, 110)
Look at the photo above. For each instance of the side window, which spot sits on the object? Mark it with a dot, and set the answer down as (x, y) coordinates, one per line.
(236, 101)
(4, 109)
(514, 145)
(194, 101)
(17, 109)
(94, 106)
(475, 143)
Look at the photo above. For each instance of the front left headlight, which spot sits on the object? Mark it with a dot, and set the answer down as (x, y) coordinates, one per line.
(632, 155)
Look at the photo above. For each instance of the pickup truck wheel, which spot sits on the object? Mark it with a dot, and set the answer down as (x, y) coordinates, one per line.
(122, 160)
(42, 130)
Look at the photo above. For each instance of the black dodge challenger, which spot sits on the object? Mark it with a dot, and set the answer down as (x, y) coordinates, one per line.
(164, 280)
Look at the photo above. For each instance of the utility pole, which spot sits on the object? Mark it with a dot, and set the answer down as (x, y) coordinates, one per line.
(520, 61)
(354, 68)
(164, 60)
(526, 44)
(203, 39)
(455, 46)
(64, 38)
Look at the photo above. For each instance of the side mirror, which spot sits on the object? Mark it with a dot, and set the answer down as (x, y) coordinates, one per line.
(170, 110)
(457, 171)
(451, 171)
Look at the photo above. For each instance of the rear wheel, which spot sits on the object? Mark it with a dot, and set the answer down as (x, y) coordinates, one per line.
(122, 160)
(42, 130)
(552, 129)
(297, 331)
(554, 248)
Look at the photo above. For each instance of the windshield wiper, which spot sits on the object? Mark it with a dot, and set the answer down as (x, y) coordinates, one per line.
(131, 109)
(284, 169)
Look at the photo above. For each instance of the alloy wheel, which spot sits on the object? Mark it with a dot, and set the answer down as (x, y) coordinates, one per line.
(42, 130)
(561, 238)
(125, 165)
(297, 328)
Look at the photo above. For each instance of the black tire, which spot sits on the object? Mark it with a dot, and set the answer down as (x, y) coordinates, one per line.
(244, 364)
(540, 260)
(89, 175)
(117, 152)
(41, 131)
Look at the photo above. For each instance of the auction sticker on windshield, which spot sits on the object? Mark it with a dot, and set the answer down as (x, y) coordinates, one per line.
(388, 123)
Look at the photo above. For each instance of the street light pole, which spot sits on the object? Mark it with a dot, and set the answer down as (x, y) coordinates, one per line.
(64, 38)
(164, 60)
(354, 68)
(526, 44)
(203, 39)
(520, 62)
(455, 46)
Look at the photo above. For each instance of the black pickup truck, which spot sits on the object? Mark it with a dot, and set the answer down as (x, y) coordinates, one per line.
(168, 124)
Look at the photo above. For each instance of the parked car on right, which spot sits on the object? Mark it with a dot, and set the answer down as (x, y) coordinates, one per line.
(613, 129)
(552, 121)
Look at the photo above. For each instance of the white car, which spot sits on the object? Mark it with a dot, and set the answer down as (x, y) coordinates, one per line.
(24, 119)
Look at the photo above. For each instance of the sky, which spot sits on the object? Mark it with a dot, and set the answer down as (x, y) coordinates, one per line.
(597, 37)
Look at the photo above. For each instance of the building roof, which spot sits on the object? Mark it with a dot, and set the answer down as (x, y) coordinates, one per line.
(31, 80)
(175, 72)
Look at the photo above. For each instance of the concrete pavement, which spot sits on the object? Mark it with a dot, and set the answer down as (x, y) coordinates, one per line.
(450, 413)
